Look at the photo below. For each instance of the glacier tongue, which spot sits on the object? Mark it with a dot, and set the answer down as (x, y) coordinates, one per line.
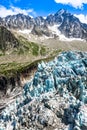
(57, 93)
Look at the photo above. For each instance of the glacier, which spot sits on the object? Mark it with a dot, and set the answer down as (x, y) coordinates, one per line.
(63, 82)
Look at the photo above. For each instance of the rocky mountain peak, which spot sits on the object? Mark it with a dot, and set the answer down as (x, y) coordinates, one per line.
(39, 20)
(68, 24)
(61, 12)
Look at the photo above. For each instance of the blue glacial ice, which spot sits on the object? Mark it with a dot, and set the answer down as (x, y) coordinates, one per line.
(65, 75)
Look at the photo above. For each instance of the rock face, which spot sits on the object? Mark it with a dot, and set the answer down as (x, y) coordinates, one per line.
(7, 39)
(67, 24)
(9, 84)
(72, 27)
(17, 21)
(56, 98)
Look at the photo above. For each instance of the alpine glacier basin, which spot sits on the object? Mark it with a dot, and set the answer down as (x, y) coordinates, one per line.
(65, 76)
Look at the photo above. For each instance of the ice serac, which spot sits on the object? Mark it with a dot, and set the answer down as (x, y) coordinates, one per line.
(56, 98)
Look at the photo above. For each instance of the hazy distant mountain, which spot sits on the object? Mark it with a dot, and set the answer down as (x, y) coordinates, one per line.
(63, 21)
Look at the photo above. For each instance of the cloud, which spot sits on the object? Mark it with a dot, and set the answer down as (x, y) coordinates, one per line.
(74, 3)
(15, 10)
(82, 17)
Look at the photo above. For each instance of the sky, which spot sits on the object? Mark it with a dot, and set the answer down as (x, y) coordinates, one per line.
(43, 8)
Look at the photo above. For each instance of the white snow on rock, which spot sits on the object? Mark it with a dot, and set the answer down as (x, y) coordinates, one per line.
(9, 127)
(25, 31)
(56, 31)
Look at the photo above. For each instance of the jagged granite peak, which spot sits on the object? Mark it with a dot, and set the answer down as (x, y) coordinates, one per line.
(40, 28)
(72, 27)
(19, 21)
(58, 17)
(50, 19)
(39, 21)
(61, 11)
(68, 24)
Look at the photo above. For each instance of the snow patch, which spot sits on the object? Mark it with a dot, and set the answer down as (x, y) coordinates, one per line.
(9, 127)
(44, 17)
(56, 31)
(25, 31)
(44, 37)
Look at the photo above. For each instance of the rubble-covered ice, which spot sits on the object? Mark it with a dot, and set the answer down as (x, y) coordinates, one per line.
(56, 98)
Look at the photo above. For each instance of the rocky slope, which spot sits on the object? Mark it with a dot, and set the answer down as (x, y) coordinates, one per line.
(11, 44)
(14, 78)
(56, 98)
(7, 40)
(66, 24)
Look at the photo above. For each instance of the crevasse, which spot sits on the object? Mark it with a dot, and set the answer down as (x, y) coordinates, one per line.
(65, 75)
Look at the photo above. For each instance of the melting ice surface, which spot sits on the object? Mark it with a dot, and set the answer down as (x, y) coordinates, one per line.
(67, 75)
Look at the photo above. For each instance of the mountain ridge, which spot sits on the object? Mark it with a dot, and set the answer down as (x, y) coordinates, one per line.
(69, 25)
